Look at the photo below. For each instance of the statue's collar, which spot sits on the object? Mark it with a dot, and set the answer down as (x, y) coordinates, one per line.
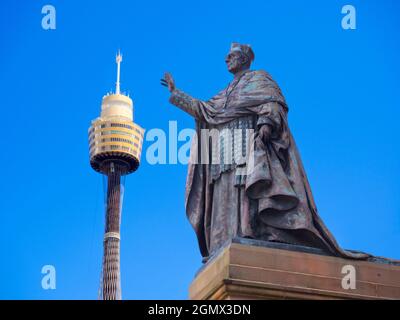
(240, 74)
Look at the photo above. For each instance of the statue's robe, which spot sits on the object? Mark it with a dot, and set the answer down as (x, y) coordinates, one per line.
(275, 202)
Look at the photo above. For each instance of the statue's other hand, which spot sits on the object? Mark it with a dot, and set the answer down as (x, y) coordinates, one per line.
(264, 135)
(168, 81)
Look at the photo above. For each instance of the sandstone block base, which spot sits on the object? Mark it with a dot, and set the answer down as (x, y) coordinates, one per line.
(243, 271)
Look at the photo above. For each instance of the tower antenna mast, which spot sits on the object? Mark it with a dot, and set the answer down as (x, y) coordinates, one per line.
(118, 60)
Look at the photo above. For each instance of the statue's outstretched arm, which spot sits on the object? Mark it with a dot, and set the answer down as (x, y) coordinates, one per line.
(187, 103)
(182, 100)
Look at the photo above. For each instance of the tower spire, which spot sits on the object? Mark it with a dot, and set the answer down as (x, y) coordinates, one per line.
(118, 60)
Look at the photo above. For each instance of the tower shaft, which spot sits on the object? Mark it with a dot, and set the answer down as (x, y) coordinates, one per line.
(111, 282)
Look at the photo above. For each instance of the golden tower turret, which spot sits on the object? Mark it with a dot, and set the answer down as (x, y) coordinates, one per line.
(115, 145)
(114, 135)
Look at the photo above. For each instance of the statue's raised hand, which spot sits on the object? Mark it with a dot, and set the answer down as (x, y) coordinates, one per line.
(168, 81)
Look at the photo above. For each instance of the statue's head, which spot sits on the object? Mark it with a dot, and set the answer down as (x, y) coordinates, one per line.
(239, 57)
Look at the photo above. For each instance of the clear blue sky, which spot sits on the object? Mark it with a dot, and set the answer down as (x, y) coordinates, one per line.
(342, 88)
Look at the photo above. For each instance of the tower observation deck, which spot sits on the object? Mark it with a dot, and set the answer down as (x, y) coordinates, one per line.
(115, 145)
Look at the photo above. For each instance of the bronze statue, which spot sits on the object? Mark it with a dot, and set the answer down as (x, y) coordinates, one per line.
(273, 202)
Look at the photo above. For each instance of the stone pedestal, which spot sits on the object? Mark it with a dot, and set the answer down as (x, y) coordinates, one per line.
(243, 271)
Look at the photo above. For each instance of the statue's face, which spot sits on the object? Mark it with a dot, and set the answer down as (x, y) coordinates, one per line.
(234, 61)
